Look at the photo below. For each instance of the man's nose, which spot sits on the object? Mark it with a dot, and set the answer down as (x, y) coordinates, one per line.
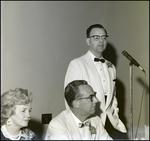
(101, 40)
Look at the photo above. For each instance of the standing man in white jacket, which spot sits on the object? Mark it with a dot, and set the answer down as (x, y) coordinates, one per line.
(99, 73)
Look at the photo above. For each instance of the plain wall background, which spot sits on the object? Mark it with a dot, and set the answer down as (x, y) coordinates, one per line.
(40, 38)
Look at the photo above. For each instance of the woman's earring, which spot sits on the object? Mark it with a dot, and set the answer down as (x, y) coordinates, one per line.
(9, 122)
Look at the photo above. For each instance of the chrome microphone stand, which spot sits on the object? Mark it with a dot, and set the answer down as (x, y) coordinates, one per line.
(131, 98)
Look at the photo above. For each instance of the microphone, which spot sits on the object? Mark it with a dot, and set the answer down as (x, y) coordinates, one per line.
(133, 61)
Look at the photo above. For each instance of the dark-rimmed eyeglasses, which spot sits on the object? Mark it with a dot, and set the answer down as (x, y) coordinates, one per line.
(97, 37)
(91, 97)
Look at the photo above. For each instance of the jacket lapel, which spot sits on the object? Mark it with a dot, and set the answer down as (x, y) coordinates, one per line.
(94, 79)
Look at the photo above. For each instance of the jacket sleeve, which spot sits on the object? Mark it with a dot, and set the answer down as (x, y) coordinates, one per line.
(113, 111)
(102, 134)
(113, 116)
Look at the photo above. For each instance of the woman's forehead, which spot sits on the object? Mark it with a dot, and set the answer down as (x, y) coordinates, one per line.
(26, 106)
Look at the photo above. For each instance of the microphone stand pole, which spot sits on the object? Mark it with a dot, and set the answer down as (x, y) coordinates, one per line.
(131, 98)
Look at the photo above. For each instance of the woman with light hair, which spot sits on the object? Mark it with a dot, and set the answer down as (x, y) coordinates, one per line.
(16, 106)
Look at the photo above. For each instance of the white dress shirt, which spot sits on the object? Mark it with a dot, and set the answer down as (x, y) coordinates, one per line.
(100, 68)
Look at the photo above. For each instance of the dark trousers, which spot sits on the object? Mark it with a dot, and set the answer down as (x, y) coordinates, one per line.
(114, 134)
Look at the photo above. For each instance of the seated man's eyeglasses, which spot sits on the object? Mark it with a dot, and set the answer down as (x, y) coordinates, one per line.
(97, 37)
(91, 97)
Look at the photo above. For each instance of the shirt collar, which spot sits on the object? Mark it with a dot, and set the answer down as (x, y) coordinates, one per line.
(76, 119)
(93, 56)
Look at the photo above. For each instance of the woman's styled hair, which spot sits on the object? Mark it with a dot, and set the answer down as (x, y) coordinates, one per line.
(72, 90)
(11, 98)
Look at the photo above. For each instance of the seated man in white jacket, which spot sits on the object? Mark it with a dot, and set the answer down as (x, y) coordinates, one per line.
(78, 122)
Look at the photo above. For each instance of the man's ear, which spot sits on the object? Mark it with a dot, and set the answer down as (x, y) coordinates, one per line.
(76, 104)
(88, 41)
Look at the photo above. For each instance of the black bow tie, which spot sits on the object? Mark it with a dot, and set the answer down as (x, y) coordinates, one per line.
(97, 59)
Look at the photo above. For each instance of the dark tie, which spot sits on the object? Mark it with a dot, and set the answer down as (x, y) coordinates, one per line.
(97, 59)
(91, 128)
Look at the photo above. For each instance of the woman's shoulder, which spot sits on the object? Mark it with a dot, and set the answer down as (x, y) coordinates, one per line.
(26, 134)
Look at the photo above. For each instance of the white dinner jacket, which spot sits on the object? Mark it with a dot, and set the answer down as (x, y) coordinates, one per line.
(83, 68)
(64, 127)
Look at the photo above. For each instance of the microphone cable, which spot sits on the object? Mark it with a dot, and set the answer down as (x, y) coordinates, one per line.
(141, 106)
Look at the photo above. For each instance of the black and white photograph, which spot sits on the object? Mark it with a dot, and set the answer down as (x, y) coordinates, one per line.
(74, 70)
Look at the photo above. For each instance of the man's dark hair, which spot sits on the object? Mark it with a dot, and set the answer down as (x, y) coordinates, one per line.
(72, 90)
(94, 26)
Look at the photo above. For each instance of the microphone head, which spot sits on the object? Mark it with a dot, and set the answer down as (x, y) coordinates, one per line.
(123, 52)
(132, 60)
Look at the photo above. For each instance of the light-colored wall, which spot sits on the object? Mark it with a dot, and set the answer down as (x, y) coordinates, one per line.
(40, 38)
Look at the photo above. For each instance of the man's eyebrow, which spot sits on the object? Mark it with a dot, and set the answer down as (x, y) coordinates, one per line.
(105, 35)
